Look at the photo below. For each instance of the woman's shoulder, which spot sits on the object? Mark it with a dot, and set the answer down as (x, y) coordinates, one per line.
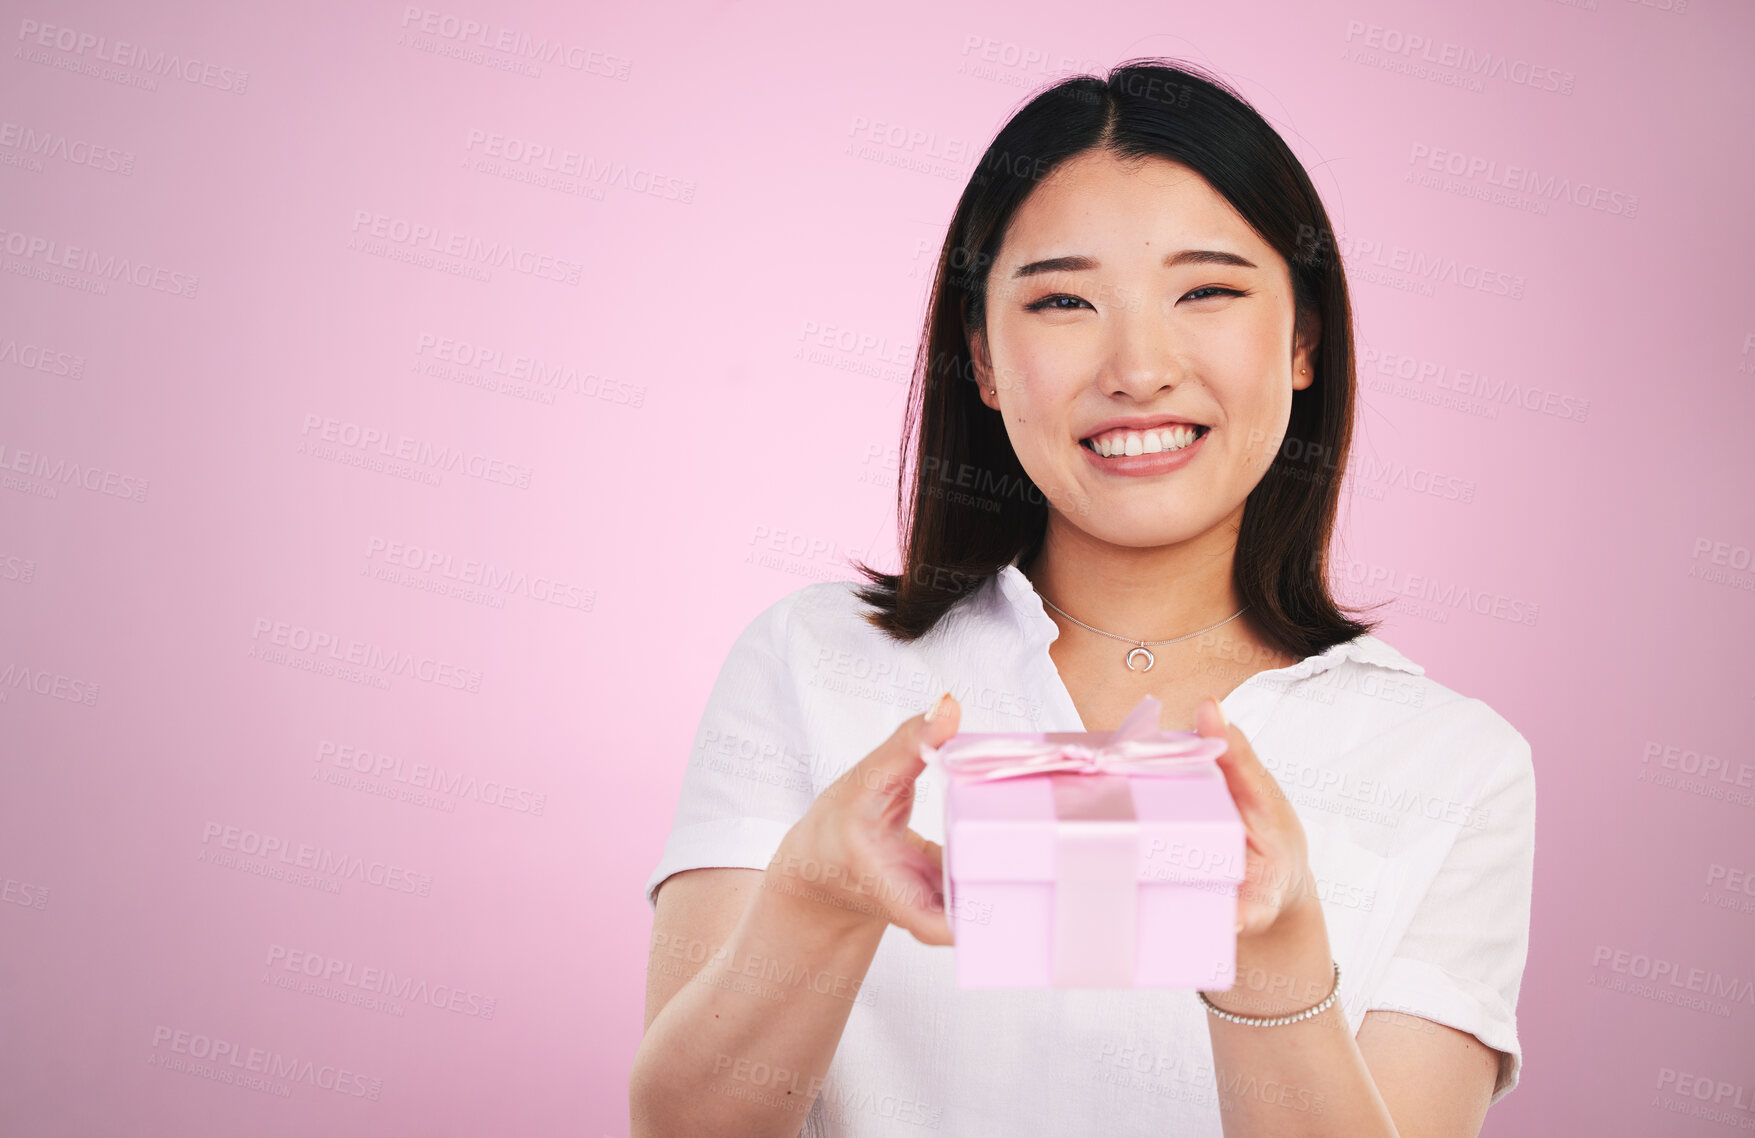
(1400, 696)
(831, 616)
(820, 626)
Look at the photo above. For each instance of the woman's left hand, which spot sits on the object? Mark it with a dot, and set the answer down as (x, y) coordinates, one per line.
(1277, 884)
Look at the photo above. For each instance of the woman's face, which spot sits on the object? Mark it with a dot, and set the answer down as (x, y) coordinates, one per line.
(1088, 326)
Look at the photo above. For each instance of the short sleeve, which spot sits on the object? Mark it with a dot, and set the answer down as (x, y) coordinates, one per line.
(748, 775)
(1462, 958)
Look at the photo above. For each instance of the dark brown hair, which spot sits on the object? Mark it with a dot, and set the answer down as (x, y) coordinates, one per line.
(964, 503)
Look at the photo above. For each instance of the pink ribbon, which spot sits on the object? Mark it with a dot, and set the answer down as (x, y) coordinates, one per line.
(1096, 886)
(1137, 747)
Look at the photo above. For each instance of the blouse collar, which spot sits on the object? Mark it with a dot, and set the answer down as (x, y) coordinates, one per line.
(1015, 595)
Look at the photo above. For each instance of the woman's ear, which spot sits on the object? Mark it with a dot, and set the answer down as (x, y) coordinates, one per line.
(983, 367)
(1309, 335)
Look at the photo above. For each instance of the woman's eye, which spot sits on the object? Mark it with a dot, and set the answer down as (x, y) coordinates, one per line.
(1047, 302)
(1215, 290)
(1053, 303)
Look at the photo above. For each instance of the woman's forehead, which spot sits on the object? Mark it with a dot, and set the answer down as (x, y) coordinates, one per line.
(1115, 213)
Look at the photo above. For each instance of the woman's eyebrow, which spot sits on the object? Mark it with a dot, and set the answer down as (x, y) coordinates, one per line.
(1076, 264)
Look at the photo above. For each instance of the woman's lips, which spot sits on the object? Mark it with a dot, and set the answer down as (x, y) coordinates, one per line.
(1145, 465)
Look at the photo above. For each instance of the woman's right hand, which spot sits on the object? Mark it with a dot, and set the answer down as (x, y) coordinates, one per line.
(852, 856)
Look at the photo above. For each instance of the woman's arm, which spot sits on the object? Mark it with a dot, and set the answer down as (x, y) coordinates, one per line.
(754, 973)
(1313, 1077)
(734, 1043)
(1435, 1079)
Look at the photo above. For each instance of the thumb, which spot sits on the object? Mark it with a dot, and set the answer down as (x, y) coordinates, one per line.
(1210, 721)
(940, 721)
(936, 726)
(1237, 763)
(901, 757)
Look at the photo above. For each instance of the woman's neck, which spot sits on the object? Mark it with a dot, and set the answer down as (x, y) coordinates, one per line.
(1147, 594)
(1141, 594)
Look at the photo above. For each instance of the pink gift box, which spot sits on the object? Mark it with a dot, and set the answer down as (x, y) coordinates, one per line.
(1091, 860)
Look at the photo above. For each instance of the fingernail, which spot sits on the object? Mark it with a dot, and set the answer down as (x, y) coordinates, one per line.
(938, 705)
(1223, 722)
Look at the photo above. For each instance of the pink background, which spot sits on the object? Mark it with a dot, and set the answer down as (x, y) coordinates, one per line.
(741, 211)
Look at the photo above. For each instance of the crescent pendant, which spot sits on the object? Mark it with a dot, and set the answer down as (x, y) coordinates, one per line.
(1142, 650)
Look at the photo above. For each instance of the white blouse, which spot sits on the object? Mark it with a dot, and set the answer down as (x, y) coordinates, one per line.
(1419, 805)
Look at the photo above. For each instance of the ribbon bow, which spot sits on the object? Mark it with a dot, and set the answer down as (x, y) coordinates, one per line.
(1137, 747)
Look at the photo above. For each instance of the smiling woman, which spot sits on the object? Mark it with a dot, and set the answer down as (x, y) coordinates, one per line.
(1137, 322)
(1165, 238)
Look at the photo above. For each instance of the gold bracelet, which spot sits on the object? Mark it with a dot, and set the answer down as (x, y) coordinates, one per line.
(1276, 1021)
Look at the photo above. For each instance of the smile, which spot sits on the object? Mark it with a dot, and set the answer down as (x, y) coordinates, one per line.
(1141, 454)
(1111, 444)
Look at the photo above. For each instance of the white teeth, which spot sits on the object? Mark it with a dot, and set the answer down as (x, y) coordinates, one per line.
(1154, 441)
